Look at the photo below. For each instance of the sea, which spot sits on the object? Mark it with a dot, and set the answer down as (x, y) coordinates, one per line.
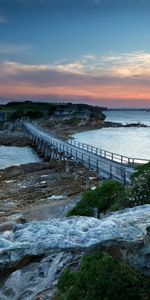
(128, 116)
(14, 156)
(127, 141)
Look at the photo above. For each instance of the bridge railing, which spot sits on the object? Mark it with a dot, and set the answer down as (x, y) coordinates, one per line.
(124, 160)
(105, 169)
(110, 167)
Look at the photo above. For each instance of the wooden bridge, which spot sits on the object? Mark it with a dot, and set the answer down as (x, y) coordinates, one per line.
(105, 163)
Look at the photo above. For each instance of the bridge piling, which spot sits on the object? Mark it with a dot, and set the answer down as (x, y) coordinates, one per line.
(97, 167)
(67, 166)
(110, 176)
(76, 175)
(87, 182)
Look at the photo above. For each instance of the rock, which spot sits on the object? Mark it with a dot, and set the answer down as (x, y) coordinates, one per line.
(126, 230)
(116, 124)
(7, 226)
(15, 171)
(38, 279)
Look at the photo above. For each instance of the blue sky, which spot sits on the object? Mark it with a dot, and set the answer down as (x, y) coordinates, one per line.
(97, 50)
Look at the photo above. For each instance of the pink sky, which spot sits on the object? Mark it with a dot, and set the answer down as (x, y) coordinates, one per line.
(111, 80)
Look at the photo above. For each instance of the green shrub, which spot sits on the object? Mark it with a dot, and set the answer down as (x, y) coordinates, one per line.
(139, 193)
(140, 170)
(85, 206)
(101, 277)
(110, 195)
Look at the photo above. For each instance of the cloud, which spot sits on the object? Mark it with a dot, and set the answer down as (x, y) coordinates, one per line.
(10, 48)
(125, 75)
(123, 66)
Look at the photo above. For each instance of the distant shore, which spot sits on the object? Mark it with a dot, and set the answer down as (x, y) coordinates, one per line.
(66, 132)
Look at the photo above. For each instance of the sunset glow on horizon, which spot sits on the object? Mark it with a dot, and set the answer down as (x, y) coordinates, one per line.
(92, 51)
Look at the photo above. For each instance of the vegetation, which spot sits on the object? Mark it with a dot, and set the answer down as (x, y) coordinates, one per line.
(139, 193)
(85, 206)
(140, 170)
(18, 110)
(112, 195)
(72, 122)
(39, 109)
(101, 277)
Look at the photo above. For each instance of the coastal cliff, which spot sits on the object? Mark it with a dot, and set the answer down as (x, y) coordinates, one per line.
(83, 113)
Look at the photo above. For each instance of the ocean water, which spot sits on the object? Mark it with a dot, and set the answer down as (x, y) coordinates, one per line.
(132, 142)
(130, 116)
(13, 156)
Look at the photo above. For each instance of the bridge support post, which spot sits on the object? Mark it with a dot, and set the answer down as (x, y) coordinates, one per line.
(97, 167)
(59, 158)
(42, 148)
(76, 167)
(87, 183)
(52, 155)
(46, 152)
(82, 160)
(39, 147)
(55, 155)
(89, 162)
(67, 166)
(110, 175)
(76, 170)
(124, 177)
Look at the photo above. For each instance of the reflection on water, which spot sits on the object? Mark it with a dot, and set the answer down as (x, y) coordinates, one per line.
(13, 156)
(132, 142)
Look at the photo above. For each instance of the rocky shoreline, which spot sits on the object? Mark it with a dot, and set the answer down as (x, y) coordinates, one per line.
(108, 124)
(36, 187)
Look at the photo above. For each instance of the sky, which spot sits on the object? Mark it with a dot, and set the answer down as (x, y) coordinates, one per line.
(91, 51)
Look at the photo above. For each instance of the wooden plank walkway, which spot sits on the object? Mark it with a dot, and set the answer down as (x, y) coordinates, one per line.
(106, 164)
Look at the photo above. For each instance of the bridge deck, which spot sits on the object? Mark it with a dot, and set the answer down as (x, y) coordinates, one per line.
(86, 154)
